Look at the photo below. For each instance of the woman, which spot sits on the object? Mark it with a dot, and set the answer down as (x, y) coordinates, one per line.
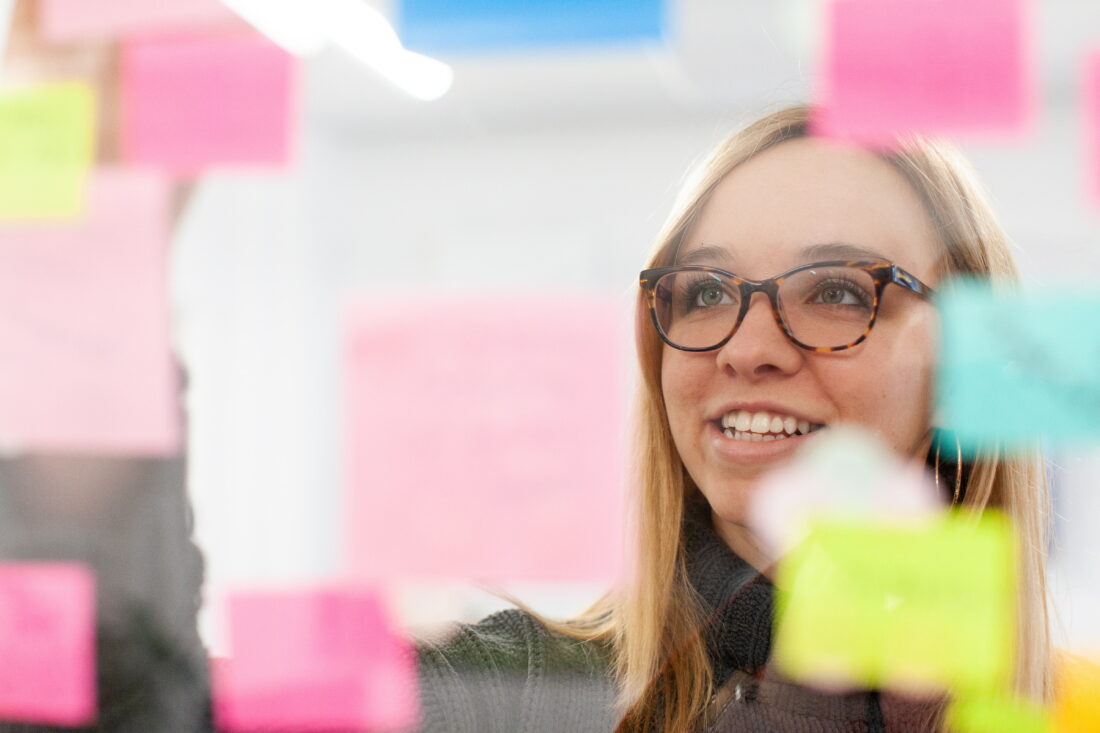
(686, 647)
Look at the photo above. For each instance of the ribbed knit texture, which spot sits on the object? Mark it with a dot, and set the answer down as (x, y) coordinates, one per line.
(509, 674)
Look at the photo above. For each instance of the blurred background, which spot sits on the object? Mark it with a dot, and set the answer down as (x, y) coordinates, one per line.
(546, 162)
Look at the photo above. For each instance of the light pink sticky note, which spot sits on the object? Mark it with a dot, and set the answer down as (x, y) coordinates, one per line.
(85, 363)
(47, 643)
(320, 660)
(72, 20)
(933, 67)
(189, 102)
(485, 437)
(1090, 103)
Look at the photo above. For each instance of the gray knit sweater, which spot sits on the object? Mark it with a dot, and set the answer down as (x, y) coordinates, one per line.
(509, 674)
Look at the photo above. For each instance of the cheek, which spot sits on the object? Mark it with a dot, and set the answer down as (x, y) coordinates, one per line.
(682, 385)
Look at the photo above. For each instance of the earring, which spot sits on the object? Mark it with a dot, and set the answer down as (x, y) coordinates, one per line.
(957, 496)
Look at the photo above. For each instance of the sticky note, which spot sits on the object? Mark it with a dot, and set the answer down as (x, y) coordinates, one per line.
(1017, 366)
(47, 642)
(189, 102)
(846, 472)
(1077, 695)
(997, 715)
(1090, 105)
(74, 20)
(314, 660)
(485, 437)
(443, 27)
(85, 363)
(47, 138)
(933, 67)
(886, 606)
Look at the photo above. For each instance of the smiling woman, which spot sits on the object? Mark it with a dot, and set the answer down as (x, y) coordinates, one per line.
(787, 293)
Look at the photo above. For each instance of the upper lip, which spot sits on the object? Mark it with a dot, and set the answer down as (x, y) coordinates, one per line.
(771, 407)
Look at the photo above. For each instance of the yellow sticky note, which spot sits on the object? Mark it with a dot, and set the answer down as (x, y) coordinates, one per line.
(919, 606)
(997, 715)
(46, 146)
(1077, 696)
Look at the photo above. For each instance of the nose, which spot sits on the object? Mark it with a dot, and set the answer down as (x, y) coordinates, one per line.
(760, 347)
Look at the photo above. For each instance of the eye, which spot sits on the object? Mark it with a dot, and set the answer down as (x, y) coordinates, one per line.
(710, 294)
(840, 293)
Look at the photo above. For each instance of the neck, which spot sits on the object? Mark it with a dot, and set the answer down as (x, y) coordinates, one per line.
(741, 540)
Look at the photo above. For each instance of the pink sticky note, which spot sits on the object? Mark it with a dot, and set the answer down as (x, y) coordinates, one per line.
(47, 643)
(71, 20)
(1090, 102)
(485, 438)
(84, 349)
(933, 67)
(323, 660)
(192, 101)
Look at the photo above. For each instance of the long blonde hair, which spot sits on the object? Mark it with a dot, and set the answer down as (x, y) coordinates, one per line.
(654, 625)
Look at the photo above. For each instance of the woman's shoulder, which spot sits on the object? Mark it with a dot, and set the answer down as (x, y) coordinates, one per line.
(511, 672)
(513, 640)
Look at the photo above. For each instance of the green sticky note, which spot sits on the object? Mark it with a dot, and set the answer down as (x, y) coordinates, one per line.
(47, 142)
(1016, 367)
(997, 715)
(917, 606)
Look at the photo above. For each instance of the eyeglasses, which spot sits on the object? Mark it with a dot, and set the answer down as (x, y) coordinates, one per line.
(825, 306)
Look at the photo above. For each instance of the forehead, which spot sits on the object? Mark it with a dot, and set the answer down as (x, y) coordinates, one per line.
(792, 203)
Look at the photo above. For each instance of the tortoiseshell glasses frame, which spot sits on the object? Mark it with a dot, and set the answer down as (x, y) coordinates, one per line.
(881, 274)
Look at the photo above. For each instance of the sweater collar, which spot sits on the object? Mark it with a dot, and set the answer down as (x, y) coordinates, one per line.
(737, 600)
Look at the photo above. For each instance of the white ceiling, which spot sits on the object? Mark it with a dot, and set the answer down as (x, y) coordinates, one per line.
(721, 56)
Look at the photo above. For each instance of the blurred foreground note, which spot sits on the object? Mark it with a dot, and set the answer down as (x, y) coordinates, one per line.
(485, 438)
(445, 26)
(1090, 104)
(72, 20)
(47, 135)
(1077, 696)
(323, 660)
(997, 715)
(85, 363)
(47, 643)
(1017, 366)
(886, 606)
(194, 101)
(933, 67)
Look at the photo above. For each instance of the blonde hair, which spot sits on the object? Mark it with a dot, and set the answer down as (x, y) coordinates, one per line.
(654, 626)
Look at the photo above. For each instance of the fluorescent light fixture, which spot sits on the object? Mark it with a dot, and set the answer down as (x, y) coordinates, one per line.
(286, 22)
(304, 27)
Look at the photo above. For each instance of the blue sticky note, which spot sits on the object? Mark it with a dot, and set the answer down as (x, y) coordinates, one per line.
(440, 27)
(1019, 366)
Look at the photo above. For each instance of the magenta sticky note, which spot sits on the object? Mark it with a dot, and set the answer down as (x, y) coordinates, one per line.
(1090, 104)
(189, 101)
(85, 363)
(47, 643)
(485, 437)
(314, 660)
(72, 20)
(890, 68)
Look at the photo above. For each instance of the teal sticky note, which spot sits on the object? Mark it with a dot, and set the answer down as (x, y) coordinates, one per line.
(1019, 366)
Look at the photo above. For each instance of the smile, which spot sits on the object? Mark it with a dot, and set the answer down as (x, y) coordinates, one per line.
(763, 426)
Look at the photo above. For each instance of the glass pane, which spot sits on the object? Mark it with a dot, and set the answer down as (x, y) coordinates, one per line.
(696, 309)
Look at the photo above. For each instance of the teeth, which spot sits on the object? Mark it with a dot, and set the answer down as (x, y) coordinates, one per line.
(755, 437)
(744, 420)
(745, 425)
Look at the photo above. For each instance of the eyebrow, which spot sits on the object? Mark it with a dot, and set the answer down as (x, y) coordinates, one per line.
(712, 255)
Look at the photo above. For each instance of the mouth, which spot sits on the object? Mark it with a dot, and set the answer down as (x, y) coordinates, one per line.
(761, 426)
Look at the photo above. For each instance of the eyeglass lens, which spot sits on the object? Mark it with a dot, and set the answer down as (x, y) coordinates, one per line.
(821, 307)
